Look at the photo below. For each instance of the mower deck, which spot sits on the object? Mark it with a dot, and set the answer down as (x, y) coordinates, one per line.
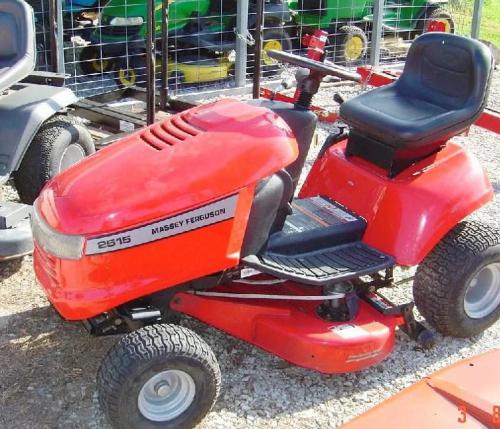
(293, 330)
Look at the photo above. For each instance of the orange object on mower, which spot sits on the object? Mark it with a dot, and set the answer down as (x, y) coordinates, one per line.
(197, 214)
(462, 394)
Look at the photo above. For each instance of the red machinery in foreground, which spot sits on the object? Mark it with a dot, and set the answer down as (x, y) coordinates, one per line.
(196, 214)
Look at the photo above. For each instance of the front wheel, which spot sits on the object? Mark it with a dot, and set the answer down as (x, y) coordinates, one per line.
(160, 376)
(457, 287)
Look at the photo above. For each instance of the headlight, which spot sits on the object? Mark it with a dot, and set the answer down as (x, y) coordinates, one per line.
(133, 20)
(61, 245)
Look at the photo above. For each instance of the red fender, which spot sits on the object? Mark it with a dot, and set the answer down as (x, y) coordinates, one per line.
(409, 214)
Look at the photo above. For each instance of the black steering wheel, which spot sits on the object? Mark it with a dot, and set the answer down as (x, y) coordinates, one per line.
(315, 66)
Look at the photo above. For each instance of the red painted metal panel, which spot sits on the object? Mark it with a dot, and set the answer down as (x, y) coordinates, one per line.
(293, 331)
(409, 214)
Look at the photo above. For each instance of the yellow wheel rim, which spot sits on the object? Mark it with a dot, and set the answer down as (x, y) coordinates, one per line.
(270, 44)
(127, 77)
(99, 65)
(353, 48)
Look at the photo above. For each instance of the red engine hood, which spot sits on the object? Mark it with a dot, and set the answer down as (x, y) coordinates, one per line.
(188, 159)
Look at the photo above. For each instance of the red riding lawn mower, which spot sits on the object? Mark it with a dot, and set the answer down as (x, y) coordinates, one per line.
(196, 215)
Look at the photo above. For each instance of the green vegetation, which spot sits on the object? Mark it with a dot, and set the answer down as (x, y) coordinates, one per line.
(490, 21)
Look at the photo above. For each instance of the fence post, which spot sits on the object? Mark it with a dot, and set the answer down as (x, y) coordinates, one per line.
(150, 63)
(259, 23)
(61, 68)
(376, 42)
(476, 18)
(241, 45)
(164, 56)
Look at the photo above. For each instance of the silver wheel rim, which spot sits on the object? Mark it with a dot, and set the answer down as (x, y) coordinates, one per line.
(166, 395)
(482, 295)
(71, 155)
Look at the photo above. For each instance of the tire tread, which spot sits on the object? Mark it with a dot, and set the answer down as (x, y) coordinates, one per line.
(443, 267)
(142, 346)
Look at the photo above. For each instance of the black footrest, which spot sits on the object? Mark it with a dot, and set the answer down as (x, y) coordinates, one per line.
(323, 266)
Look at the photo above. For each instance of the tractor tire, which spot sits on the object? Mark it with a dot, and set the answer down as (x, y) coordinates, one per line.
(273, 38)
(457, 287)
(438, 14)
(348, 45)
(90, 61)
(58, 144)
(160, 376)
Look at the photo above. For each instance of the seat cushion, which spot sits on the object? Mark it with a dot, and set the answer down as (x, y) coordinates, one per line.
(397, 120)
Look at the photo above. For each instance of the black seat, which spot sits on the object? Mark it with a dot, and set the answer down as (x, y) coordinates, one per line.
(441, 92)
(17, 42)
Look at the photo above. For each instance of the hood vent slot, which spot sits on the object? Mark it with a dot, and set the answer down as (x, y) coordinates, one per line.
(169, 132)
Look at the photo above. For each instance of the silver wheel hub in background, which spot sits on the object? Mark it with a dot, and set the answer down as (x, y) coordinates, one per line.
(166, 395)
(71, 155)
(482, 296)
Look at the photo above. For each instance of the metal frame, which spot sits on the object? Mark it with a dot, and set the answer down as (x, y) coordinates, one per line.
(476, 18)
(378, 15)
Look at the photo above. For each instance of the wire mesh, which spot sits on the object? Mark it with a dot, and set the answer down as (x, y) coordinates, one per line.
(104, 40)
(42, 31)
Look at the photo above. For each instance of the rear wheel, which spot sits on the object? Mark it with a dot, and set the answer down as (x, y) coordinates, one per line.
(160, 376)
(457, 287)
(60, 143)
(349, 44)
(438, 20)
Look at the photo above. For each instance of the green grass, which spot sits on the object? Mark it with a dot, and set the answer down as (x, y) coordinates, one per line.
(490, 20)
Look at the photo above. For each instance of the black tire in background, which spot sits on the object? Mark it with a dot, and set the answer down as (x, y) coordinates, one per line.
(273, 38)
(58, 144)
(90, 61)
(144, 357)
(451, 284)
(348, 45)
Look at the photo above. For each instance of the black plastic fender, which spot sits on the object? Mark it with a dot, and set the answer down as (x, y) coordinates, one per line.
(22, 113)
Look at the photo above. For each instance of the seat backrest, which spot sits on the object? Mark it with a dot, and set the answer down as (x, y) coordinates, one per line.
(17, 42)
(446, 70)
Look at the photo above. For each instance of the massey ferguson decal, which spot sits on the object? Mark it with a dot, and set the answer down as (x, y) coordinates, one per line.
(202, 216)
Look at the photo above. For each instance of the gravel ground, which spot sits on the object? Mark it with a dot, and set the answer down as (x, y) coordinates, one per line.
(48, 366)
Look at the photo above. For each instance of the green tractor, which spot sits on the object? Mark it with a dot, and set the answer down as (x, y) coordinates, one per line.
(207, 25)
(349, 22)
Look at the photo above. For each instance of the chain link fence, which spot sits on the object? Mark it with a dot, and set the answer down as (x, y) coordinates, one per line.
(100, 44)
